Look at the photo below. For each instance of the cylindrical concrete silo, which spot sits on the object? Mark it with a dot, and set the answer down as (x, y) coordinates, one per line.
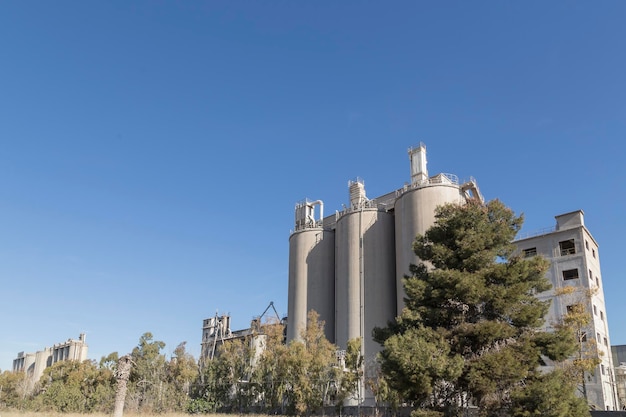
(415, 212)
(365, 295)
(365, 272)
(321, 280)
(311, 272)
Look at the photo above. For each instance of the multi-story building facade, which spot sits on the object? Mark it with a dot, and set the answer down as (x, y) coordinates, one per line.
(577, 280)
(35, 363)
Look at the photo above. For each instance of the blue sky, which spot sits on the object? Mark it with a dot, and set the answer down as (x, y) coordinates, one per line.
(152, 151)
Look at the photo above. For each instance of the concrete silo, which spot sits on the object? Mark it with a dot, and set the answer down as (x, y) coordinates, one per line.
(365, 270)
(415, 210)
(311, 271)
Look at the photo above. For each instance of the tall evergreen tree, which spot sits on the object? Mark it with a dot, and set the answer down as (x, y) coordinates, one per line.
(312, 368)
(148, 375)
(470, 330)
(182, 372)
(271, 372)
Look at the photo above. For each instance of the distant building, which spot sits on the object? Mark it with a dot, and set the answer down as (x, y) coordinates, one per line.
(35, 363)
(216, 331)
(575, 262)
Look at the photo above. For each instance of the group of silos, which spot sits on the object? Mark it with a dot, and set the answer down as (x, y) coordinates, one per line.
(349, 266)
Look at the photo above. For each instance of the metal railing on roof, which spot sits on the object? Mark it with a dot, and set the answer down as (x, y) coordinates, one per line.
(442, 178)
(384, 202)
(526, 235)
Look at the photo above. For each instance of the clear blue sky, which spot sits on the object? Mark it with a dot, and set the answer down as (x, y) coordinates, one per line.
(152, 151)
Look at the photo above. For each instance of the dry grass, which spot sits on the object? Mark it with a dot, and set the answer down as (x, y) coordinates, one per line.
(5, 413)
(55, 414)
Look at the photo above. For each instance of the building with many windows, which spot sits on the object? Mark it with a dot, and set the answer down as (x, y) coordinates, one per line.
(577, 281)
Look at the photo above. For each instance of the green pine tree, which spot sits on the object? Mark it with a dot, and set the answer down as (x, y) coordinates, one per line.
(469, 334)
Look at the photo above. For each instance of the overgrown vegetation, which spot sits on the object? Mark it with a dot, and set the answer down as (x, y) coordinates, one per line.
(299, 378)
(156, 384)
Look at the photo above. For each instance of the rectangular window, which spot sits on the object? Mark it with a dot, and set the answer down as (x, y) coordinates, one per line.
(598, 337)
(593, 252)
(583, 337)
(602, 368)
(530, 252)
(587, 244)
(595, 310)
(606, 342)
(570, 274)
(597, 281)
(602, 315)
(567, 247)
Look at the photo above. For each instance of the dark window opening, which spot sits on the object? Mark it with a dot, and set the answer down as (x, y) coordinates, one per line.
(567, 247)
(574, 308)
(570, 274)
(530, 252)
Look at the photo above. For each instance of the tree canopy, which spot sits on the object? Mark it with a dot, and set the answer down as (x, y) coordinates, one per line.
(470, 332)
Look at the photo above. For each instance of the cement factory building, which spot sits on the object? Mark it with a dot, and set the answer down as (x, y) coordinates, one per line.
(349, 266)
(33, 364)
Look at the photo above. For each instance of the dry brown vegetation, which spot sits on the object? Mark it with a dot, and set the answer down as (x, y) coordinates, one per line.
(55, 414)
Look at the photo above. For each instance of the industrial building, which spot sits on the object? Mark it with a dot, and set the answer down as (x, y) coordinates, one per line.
(349, 266)
(35, 363)
(216, 331)
(575, 262)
